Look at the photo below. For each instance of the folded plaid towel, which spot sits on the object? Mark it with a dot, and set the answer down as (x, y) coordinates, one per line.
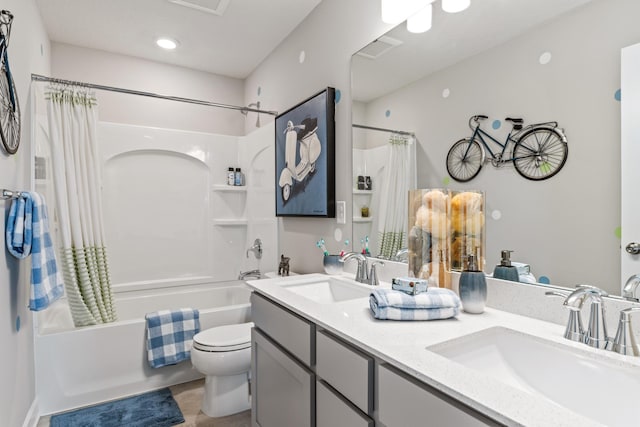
(27, 233)
(170, 335)
(436, 303)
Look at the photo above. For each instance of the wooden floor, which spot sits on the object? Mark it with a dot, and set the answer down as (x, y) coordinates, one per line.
(189, 398)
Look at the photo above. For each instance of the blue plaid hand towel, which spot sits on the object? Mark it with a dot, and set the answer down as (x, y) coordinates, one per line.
(170, 335)
(27, 233)
(436, 303)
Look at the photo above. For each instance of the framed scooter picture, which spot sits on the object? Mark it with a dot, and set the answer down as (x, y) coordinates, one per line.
(305, 158)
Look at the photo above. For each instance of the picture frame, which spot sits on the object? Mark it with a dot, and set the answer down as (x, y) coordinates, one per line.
(305, 158)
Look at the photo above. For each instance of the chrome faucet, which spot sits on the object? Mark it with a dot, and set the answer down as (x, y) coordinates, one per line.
(625, 340)
(251, 273)
(373, 273)
(574, 330)
(596, 335)
(361, 274)
(402, 255)
(256, 249)
(630, 290)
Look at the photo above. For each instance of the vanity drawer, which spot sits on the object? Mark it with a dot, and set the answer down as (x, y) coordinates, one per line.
(404, 401)
(290, 330)
(346, 369)
(334, 410)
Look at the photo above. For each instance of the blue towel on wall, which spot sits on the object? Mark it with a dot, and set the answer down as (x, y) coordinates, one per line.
(170, 335)
(27, 233)
(436, 303)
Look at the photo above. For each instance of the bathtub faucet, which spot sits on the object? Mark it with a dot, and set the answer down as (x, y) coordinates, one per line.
(251, 273)
(256, 249)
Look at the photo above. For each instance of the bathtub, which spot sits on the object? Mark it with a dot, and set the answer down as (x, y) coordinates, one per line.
(82, 366)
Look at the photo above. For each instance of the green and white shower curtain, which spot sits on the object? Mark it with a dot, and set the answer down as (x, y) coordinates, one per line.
(398, 180)
(72, 117)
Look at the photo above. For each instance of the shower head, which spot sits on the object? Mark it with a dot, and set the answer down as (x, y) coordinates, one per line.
(257, 107)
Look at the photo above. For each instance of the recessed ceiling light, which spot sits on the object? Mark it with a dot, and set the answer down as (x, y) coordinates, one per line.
(166, 43)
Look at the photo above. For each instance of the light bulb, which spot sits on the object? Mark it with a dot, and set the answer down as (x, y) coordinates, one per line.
(455, 6)
(421, 21)
(166, 43)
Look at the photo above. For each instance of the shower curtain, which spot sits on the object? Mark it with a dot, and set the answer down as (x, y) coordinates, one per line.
(72, 117)
(392, 226)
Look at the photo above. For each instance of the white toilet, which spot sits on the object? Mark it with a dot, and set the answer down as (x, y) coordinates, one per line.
(223, 355)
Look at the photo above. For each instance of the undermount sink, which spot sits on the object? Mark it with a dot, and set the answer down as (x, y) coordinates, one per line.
(328, 290)
(605, 391)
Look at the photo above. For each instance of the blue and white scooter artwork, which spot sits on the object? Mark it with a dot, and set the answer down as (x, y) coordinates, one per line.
(310, 148)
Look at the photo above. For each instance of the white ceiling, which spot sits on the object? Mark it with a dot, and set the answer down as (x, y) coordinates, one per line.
(232, 45)
(453, 37)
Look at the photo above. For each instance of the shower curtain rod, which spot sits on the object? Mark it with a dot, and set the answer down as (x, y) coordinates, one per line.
(40, 78)
(399, 132)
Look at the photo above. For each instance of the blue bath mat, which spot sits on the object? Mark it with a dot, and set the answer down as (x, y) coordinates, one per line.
(153, 409)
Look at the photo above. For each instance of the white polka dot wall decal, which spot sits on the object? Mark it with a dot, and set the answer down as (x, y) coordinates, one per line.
(302, 56)
(496, 214)
(545, 58)
(446, 93)
(337, 234)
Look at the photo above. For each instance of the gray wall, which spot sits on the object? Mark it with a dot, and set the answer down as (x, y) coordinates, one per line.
(28, 53)
(329, 36)
(565, 226)
(105, 68)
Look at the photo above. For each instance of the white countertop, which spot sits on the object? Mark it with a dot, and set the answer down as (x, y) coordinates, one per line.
(404, 345)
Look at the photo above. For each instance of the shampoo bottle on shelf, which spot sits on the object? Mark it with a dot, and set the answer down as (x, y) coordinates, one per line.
(505, 270)
(231, 177)
(473, 287)
(239, 177)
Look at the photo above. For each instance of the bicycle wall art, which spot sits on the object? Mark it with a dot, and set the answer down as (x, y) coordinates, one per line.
(537, 151)
(9, 107)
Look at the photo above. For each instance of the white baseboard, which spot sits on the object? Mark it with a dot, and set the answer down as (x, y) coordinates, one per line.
(33, 416)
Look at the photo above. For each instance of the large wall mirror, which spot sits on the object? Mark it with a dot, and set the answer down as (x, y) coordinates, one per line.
(541, 60)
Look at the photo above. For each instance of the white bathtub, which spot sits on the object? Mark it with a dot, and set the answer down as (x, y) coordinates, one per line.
(79, 367)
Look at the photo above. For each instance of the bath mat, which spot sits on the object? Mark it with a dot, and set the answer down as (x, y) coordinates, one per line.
(153, 409)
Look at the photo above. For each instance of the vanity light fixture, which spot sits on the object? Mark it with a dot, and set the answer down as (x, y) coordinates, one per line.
(396, 11)
(421, 21)
(166, 43)
(455, 6)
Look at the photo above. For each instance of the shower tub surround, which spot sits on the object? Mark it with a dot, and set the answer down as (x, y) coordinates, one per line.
(84, 366)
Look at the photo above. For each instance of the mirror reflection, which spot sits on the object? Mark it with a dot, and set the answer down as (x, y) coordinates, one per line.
(541, 61)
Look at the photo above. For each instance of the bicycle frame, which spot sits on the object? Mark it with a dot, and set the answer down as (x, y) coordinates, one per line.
(480, 133)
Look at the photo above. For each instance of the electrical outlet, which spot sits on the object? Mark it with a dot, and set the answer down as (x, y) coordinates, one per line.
(341, 212)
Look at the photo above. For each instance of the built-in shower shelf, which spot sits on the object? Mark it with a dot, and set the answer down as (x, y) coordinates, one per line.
(230, 188)
(367, 192)
(361, 219)
(230, 222)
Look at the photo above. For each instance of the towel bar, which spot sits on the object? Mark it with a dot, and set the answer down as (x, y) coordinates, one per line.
(9, 194)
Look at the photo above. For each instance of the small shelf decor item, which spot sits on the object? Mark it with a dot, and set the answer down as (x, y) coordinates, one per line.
(305, 158)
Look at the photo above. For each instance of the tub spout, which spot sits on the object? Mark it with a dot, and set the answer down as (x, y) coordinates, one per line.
(251, 273)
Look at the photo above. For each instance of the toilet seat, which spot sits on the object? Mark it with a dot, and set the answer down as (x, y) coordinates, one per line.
(224, 338)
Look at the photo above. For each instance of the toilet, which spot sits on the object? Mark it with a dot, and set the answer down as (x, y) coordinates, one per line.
(223, 355)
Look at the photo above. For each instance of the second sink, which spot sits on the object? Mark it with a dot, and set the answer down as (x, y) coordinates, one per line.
(599, 389)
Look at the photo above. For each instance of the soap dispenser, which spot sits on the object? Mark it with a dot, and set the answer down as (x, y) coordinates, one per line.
(505, 270)
(472, 287)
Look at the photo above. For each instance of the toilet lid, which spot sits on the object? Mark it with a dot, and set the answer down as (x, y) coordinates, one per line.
(224, 338)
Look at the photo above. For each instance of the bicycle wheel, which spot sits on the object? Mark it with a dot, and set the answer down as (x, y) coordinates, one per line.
(9, 111)
(540, 154)
(465, 159)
